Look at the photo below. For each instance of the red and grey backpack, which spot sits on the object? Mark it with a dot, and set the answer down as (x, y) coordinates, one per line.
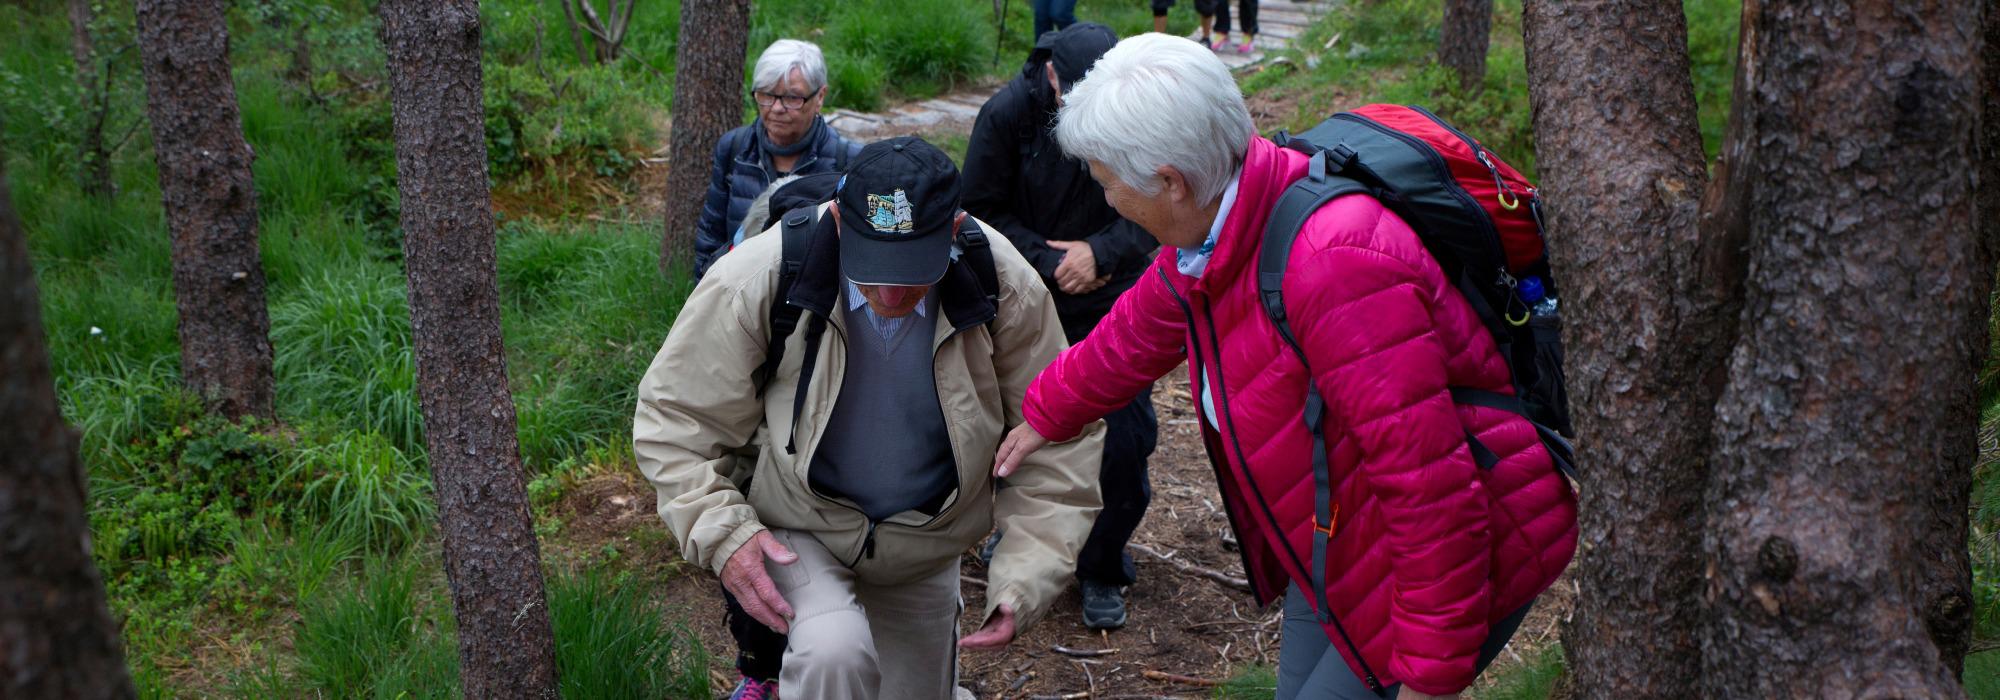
(1480, 219)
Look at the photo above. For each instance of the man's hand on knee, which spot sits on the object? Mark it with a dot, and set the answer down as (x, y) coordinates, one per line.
(998, 631)
(745, 578)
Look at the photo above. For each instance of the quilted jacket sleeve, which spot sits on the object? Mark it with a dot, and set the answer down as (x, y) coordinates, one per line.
(710, 240)
(1144, 337)
(1364, 317)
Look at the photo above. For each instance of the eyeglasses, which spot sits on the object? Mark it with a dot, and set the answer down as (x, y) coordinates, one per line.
(765, 100)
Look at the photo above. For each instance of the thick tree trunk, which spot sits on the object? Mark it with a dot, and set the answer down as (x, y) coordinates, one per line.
(1845, 440)
(490, 553)
(1463, 40)
(708, 102)
(93, 160)
(1649, 304)
(57, 639)
(211, 205)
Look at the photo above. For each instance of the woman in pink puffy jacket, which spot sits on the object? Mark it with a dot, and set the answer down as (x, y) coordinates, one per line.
(1431, 562)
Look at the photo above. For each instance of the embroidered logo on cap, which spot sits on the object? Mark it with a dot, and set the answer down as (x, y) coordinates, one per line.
(890, 214)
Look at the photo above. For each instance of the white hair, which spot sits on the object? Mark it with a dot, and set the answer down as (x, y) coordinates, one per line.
(785, 55)
(760, 208)
(1153, 101)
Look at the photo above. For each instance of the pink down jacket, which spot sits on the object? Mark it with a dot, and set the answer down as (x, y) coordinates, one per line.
(1427, 548)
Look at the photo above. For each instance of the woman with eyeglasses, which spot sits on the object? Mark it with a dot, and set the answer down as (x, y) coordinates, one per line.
(788, 138)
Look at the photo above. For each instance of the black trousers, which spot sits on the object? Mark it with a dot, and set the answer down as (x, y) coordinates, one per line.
(1130, 435)
(1248, 18)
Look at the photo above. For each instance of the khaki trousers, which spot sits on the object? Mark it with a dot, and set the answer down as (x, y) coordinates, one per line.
(855, 639)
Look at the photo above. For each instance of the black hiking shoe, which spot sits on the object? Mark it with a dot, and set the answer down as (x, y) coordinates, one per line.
(1103, 606)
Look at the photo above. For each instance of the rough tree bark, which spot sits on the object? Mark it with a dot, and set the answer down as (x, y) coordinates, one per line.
(708, 101)
(1845, 439)
(1463, 40)
(490, 553)
(211, 205)
(1649, 310)
(93, 159)
(57, 639)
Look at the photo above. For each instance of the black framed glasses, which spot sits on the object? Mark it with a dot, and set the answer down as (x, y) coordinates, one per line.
(766, 99)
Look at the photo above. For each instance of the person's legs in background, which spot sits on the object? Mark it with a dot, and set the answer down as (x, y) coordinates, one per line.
(1206, 9)
(1160, 8)
(1247, 22)
(1051, 15)
(1221, 26)
(1103, 567)
(760, 652)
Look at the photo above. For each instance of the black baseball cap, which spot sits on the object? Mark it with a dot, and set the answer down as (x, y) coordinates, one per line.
(898, 204)
(1074, 49)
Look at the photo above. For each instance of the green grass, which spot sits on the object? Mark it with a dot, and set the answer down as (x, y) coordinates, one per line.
(1982, 676)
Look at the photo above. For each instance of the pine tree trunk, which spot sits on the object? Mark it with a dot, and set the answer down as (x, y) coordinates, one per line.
(57, 639)
(1845, 439)
(490, 553)
(708, 102)
(93, 161)
(1648, 300)
(1463, 40)
(211, 205)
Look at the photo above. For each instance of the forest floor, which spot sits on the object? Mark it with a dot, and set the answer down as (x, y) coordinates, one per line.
(1182, 620)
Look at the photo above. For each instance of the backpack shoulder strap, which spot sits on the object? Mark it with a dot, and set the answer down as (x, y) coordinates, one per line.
(1281, 230)
(978, 253)
(1288, 217)
(797, 228)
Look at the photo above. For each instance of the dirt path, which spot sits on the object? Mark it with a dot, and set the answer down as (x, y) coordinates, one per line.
(1181, 622)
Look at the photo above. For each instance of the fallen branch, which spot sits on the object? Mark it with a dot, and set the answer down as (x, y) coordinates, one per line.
(1082, 653)
(1178, 678)
(1236, 582)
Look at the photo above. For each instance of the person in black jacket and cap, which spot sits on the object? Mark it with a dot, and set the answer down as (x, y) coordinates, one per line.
(1018, 180)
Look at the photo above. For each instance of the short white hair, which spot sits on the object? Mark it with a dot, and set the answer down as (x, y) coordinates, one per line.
(1156, 100)
(760, 208)
(782, 57)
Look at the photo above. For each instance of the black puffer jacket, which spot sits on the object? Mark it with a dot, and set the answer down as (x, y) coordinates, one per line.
(742, 171)
(1018, 180)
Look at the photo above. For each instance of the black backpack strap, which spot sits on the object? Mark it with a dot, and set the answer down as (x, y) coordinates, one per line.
(978, 253)
(797, 229)
(1300, 200)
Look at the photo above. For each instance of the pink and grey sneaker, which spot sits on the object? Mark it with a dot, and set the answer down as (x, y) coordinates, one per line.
(753, 689)
(1220, 45)
(1246, 47)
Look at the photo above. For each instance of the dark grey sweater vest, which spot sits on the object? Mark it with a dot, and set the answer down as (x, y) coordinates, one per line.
(886, 447)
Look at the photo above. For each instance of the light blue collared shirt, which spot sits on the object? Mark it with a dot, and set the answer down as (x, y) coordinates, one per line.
(1194, 262)
(887, 327)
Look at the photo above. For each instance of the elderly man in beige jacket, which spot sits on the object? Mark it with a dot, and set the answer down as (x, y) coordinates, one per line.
(919, 329)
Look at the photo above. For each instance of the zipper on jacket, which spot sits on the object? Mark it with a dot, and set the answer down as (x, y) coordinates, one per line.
(1201, 383)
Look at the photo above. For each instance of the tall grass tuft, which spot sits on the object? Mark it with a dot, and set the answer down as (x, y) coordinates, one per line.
(343, 355)
(610, 643)
(378, 639)
(361, 485)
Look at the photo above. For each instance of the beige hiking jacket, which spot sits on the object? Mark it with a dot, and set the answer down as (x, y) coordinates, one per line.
(699, 407)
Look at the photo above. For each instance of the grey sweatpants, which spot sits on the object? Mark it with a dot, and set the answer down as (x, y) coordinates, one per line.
(853, 639)
(1310, 666)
